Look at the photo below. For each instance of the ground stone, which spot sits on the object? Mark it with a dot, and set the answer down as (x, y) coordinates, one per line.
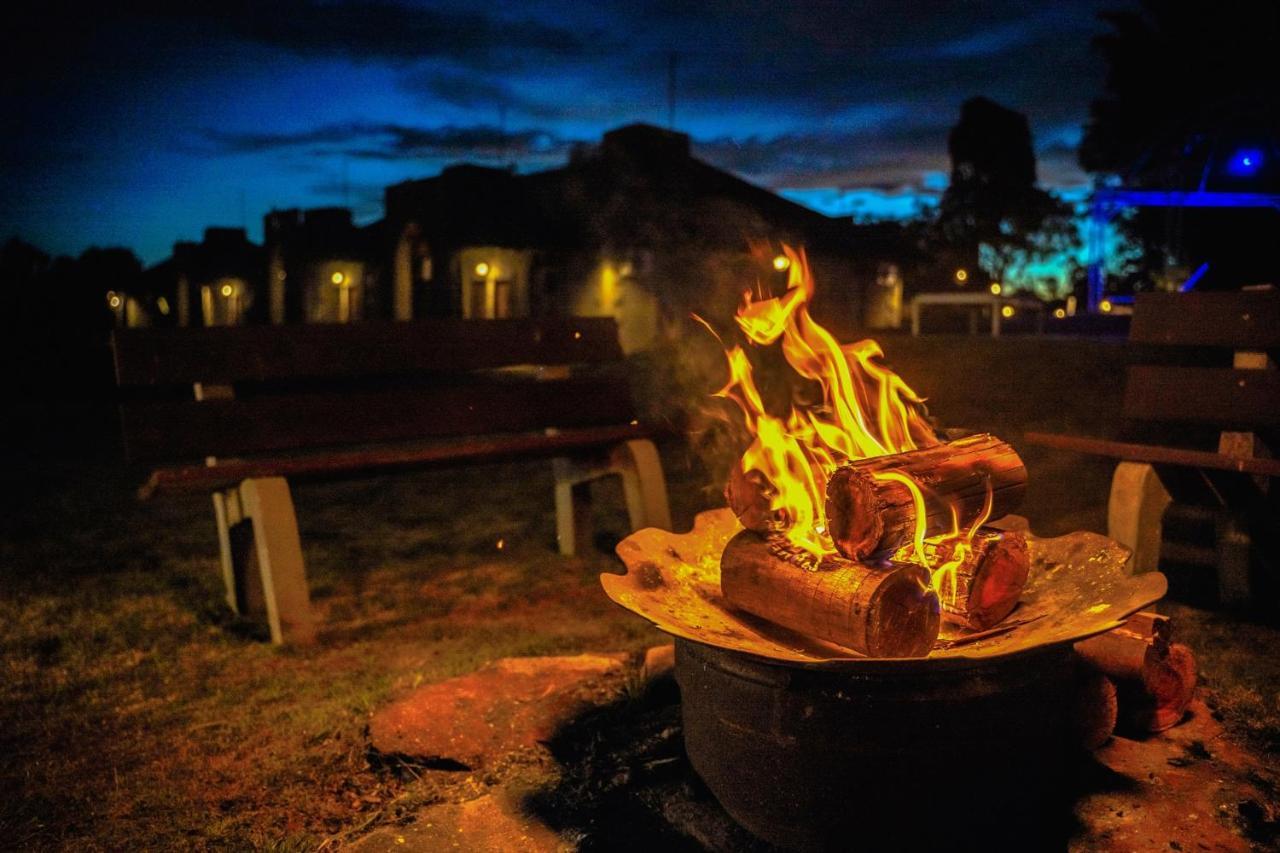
(1190, 786)
(493, 822)
(509, 705)
(659, 662)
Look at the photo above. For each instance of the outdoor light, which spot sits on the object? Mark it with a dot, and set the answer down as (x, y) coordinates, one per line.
(1245, 162)
(226, 290)
(1105, 306)
(962, 275)
(1006, 311)
(996, 288)
(482, 269)
(113, 300)
(337, 278)
(781, 262)
(1060, 313)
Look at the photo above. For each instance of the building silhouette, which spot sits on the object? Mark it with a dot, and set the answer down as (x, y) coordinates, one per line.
(635, 227)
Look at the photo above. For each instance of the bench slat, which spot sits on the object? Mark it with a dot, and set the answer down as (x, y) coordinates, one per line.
(176, 430)
(1155, 454)
(197, 478)
(1239, 320)
(231, 354)
(1220, 396)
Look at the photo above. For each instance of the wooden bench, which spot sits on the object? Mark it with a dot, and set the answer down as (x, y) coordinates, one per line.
(238, 412)
(1203, 430)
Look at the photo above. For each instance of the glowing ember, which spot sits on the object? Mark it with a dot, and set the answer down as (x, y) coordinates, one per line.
(866, 411)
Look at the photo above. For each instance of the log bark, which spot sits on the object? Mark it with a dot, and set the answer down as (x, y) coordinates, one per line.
(749, 493)
(1126, 652)
(1095, 709)
(987, 583)
(890, 613)
(868, 515)
(1155, 677)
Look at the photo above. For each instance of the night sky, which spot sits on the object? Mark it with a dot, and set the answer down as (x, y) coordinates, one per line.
(141, 125)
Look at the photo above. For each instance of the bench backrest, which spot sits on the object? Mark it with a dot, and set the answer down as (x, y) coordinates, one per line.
(189, 393)
(1225, 375)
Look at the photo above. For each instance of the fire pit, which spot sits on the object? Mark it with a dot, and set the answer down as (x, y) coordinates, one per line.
(807, 744)
(859, 650)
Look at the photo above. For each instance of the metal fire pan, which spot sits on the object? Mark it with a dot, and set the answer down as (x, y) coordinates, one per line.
(1079, 586)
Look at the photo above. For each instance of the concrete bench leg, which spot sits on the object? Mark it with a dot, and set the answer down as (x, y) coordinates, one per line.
(573, 507)
(262, 557)
(1234, 546)
(643, 485)
(1138, 502)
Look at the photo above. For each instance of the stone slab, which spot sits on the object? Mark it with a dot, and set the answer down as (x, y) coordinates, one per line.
(493, 822)
(512, 704)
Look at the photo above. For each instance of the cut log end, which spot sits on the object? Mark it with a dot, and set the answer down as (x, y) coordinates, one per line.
(749, 494)
(999, 581)
(855, 516)
(1170, 681)
(986, 585)
(905, 616)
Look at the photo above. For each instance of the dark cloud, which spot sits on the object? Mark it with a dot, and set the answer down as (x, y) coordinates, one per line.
(390, 141)
(474, 89)
(59, 40)
(383, 30)
(890, 159)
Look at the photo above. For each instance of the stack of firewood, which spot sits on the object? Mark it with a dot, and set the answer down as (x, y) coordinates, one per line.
(875, 597)
(1134, 678)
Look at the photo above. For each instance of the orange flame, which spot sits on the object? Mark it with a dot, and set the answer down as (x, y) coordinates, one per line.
(866, 410)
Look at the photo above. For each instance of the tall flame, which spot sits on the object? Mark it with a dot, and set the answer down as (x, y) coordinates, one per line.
(866, 410)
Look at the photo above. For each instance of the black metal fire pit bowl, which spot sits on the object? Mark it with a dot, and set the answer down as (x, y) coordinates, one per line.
(827, 760)
(812, 747)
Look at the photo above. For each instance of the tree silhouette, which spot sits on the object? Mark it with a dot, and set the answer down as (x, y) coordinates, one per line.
(992, 214)
(1191, 103)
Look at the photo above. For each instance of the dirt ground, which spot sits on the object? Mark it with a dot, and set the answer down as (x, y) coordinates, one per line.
(136, 713)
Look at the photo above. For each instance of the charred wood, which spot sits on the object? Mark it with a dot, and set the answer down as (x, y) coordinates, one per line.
(984, 587)
(877, 612)
(870, 510)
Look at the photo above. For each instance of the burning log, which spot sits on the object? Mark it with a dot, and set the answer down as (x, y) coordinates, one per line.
(872, 503)
(879, 613)
(1095, 709)
(749, 494)
(987, 581)
(1154, 676)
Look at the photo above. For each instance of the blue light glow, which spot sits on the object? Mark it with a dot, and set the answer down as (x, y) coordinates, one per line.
(1245, 163)
(1190, 283)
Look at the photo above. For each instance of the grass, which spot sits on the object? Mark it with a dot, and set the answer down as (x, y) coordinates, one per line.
(135, 713)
